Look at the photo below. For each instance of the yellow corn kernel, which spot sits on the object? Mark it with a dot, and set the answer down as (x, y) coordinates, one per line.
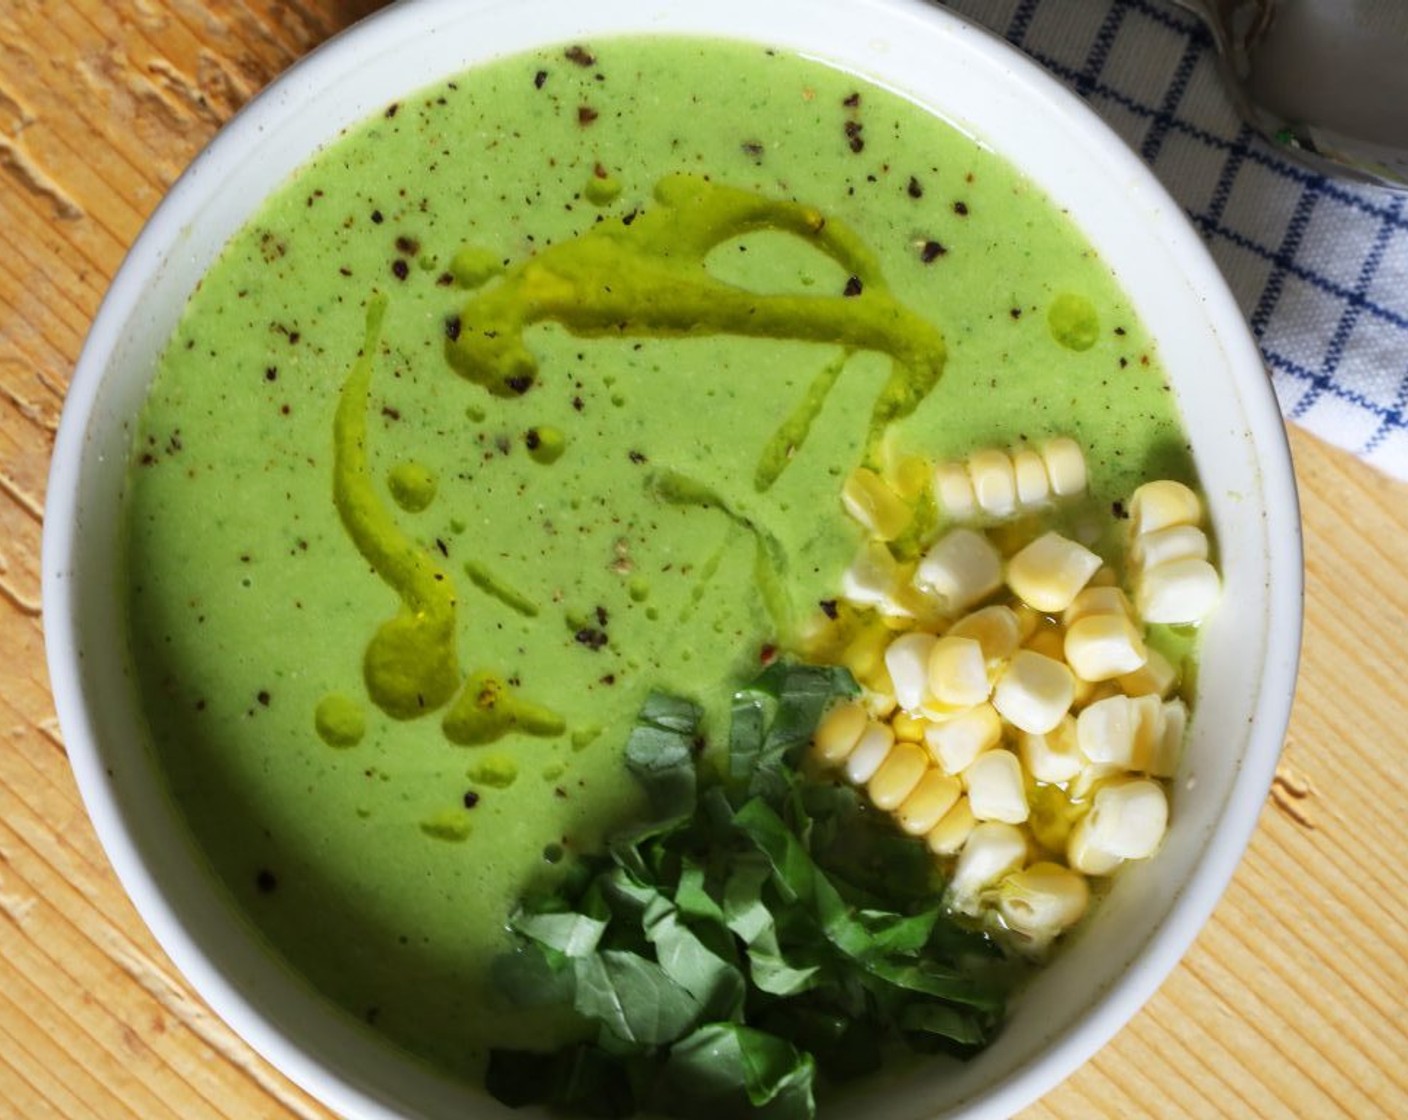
(873, 505)
(838, 732)
(908, 728)
(948, 836)
(1051, 571)
(897, 776)
(1156, 677)
(1049, 641)
(926, 805)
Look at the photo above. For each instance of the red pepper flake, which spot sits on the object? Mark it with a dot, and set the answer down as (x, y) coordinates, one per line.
(539, 78)
(520, 384)
(853, 287)
(932, 251)
(532, 440)
(852, 101)
(452, 328)
(853, 131)
(636, 457)
(915, 188)
(377, 217)
(471, 799)
(601, 616)
(828, 608)
(586, 114)
(271, 374)
(1016, 313)
(392, 110)
(407, 245)
(767, 654)
(266, 881)
(580, 55)
(400, 269)
(1118, 511)
(445, 280)
(961, 209)
(390, 413)
(263, 697)
(578, 404)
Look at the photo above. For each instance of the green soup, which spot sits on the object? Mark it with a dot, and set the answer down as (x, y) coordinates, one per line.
(530, 395)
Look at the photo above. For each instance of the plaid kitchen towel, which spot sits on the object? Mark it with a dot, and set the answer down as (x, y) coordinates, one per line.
(1319, 266)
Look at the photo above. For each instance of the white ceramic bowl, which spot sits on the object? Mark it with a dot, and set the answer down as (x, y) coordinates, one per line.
(986, 88)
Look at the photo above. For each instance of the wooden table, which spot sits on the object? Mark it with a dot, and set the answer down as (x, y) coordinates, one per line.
(1293, 1002)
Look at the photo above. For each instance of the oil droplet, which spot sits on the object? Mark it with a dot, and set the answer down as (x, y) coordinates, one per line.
(475, 414)
(584, 737)
(340, 721)
(553, 771)
(602, 189)
(1073, 322)
(412, 485)
(453, 825)
(545, 444)
(638, 589)
(498, 771)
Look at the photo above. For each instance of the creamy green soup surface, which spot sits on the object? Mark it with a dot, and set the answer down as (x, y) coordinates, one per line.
(633, 506)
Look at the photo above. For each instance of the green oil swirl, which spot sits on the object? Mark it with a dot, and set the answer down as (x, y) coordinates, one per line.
(649, 278)
(410, 665)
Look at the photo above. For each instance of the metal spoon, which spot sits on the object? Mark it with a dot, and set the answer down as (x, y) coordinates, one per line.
(1325, 80)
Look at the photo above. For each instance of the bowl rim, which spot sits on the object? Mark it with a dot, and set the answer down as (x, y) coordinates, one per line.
(179, 210)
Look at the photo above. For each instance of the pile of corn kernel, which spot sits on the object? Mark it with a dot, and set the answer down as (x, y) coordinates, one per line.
(1011, 712)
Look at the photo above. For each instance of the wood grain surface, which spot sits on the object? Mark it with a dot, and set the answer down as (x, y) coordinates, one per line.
(1293, 1002)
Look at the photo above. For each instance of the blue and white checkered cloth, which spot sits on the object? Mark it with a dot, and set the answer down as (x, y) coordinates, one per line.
(1319, 266)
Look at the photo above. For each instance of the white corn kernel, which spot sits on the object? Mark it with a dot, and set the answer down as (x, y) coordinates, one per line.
(995, 628)
(1051, 571)
(907, 660)
(996, 790)
(1033, 484)
(994, 485)
(993, 849)
(1065, 466)
(1100, 647)
(874, 506)
(927, 804)
(1105, 731)
(1154, 678)
(1086, 856)
(1097, 600)
(1054, 757)
(1127, 819)
(1042, 901)
(956, 742)
(961, 568)
(953, 490)
(838, 733)
(1157, 505)
(1177, 542)
(869, 753)
(897, 776)
(1168, 750)
(958, 673)
(870, 577)
(1179, 592)
(1034, 692)
(948, 836)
